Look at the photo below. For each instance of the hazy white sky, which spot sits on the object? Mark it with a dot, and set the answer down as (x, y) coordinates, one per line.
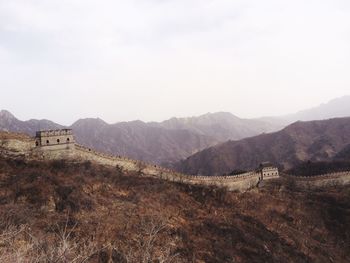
(154, 59)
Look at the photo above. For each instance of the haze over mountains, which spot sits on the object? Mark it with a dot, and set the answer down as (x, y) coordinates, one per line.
(336, 108)
(222, 126)
(9, 122)
(159, 143)
(140, 140)
(174, 139)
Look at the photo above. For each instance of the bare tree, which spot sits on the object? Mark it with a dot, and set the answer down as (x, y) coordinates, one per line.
(20, 245)
(152, 244)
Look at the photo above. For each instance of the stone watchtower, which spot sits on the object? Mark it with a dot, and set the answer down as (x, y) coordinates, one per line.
(268, 171)
(55, 139)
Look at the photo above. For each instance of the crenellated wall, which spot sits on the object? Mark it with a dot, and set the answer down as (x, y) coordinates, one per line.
(241, 182)
(84, 153)
(330, 179)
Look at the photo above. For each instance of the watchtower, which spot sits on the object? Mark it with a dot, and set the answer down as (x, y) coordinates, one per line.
(268, 170)
(55, 139)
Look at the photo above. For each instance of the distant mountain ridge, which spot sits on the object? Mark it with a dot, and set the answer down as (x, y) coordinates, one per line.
(221, 125)
(336, 108)
(140, 140)
(174, 139)
(9, 122)
(160, 143)
(302, 141)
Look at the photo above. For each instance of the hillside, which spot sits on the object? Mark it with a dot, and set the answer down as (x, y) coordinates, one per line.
(60, 212)
(299, 142)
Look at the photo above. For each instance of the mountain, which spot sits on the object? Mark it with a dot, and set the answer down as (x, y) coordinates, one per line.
(174, 139)
(336, 108)
(159, 143)
(222, 126)
(301, 141)
(8, 122)
(140, 140)
(168, 141)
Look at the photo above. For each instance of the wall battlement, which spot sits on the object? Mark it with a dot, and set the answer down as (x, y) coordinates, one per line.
(321, 176)
(50, 133)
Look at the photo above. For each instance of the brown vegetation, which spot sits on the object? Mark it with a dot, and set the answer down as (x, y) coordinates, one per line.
(80, 212)
(13, 135)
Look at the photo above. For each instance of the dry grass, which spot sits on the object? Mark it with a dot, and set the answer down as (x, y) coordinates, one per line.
(13, 135)
(81, 212)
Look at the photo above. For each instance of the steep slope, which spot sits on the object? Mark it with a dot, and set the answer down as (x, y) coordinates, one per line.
(71, 212)
(139, 140)
(301, 141)
(8, 122)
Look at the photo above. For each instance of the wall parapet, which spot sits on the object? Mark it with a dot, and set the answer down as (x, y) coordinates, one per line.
(321, 176)
(245, 179)
(27, 148)
(240, 181)
(168, 173)
(224, 178)
(104, 155)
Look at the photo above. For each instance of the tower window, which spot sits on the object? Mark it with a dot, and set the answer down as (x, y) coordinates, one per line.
(68, 140)
(58, 141)
(37, 144)
(47, 141)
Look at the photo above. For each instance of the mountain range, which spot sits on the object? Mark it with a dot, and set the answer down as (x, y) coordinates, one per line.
(160, 143)
(175, 139)
(299, 142)
(336, 108)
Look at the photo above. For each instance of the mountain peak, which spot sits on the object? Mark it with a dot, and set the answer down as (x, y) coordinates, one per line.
(89, 121)
(4, 114)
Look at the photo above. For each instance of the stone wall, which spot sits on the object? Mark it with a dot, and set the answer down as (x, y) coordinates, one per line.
(239, 182)
(323, 180)
(84, 153)
(242, 182)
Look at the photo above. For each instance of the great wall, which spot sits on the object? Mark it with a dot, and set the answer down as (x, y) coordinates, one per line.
(60, 144)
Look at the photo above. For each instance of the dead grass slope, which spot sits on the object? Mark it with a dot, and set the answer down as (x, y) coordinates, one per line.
(80, 212)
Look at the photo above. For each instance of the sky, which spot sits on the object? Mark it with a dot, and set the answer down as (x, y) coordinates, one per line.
(154, 59)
